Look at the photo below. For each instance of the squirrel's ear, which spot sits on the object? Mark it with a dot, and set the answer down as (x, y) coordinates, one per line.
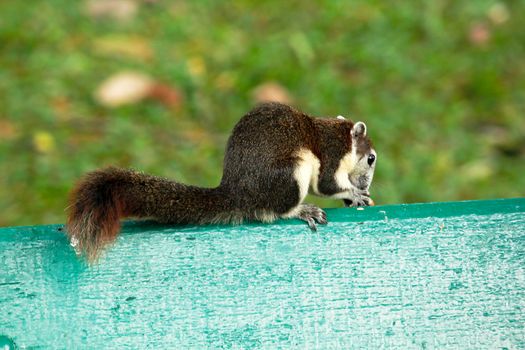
(359, 129)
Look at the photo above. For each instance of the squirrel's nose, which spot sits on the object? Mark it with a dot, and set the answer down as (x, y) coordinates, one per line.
(371, 159)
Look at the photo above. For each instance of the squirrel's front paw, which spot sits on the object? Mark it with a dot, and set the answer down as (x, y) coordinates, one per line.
(312, 214)
(360, 199)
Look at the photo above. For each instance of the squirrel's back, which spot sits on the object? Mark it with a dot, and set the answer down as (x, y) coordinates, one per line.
(268, 134)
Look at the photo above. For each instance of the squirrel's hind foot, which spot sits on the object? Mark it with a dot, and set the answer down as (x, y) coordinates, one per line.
(312, 215)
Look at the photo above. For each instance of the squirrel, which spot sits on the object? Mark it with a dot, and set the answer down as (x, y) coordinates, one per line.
(274, 157)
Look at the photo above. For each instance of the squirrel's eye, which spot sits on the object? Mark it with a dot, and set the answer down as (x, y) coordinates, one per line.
(371, 159)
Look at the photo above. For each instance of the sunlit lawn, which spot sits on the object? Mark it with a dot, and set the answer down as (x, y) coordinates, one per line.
(440, 84)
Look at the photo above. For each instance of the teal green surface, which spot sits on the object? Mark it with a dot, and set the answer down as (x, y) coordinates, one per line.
(435, 276)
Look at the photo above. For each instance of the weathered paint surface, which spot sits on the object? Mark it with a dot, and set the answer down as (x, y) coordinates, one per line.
(435, 276)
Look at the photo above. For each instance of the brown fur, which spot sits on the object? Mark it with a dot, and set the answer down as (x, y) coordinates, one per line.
(257, 184)
(103, 197)
(95, 212)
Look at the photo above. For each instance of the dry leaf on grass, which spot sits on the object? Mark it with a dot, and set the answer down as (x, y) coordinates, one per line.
(8, 130)
(121, 10)
(196, 66)
(120, 45)
(476, 170)
(166, 94)
(498, 13)
(124, 88)
(43, 142)
(479, 34)
(271, 92)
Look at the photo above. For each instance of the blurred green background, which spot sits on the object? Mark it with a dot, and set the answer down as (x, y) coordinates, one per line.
(158, 85)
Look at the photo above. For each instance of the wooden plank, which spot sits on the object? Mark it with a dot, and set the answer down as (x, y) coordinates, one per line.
(439, 275)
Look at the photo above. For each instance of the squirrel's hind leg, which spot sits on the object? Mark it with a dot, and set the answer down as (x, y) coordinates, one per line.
(309, 213)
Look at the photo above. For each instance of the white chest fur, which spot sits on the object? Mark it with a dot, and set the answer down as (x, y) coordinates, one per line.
(307, 172)
(346, 166)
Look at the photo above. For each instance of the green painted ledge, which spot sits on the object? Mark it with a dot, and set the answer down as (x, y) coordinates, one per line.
(435, 276)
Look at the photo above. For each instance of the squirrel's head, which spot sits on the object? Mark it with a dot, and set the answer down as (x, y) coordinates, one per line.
(356, 167)
(364, 158)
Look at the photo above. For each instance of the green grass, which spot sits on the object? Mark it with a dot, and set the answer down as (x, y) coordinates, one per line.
(447, 115)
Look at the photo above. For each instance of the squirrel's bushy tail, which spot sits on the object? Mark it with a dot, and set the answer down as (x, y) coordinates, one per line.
(96, 206)
(103, 197)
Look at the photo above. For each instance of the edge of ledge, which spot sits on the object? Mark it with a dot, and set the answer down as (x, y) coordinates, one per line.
(432, 209)
(377, 213)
